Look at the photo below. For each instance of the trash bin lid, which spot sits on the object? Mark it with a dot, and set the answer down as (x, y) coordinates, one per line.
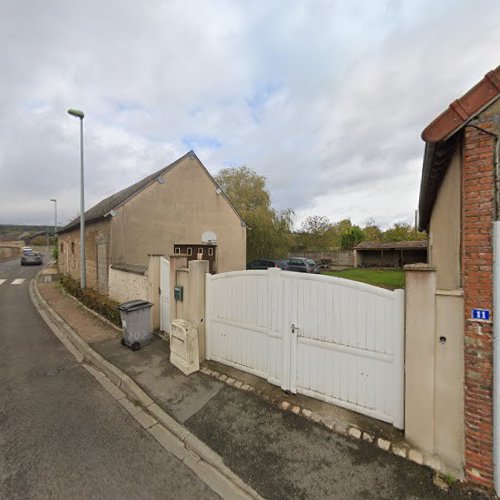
(134, 305)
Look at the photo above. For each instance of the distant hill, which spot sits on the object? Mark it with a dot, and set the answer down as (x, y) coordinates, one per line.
(21, 231)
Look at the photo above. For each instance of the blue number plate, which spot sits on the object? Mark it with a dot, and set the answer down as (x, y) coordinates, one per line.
(482, 314)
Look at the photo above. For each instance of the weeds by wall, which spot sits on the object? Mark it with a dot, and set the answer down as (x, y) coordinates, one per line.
(93, 300)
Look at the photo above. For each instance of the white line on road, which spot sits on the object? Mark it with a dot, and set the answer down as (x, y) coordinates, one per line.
(2, 282)
(18, 281)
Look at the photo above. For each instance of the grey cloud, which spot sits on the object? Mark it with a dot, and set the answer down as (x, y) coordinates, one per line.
(349, 87)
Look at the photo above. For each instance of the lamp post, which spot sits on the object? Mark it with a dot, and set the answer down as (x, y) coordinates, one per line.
(83, 282)
(55, 216)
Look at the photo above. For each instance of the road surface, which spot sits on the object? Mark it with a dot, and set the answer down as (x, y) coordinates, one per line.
(61, 434)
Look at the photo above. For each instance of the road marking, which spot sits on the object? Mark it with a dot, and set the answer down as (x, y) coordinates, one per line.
(2, 282)
(18, 281)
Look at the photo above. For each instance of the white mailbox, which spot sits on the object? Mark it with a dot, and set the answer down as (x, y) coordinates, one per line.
(184, 346)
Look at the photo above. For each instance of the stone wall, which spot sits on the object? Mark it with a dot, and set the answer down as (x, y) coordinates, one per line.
(69, 251)
(8, 253)
(336, 257)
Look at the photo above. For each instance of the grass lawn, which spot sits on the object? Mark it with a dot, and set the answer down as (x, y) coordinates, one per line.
(385, 278)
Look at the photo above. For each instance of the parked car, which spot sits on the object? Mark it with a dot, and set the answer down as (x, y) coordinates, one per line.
(282, 263)
(261, 264)
(302, 265)
(31, 258)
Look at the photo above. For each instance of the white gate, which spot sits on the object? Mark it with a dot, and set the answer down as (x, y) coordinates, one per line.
(333, 339)
(164, 295)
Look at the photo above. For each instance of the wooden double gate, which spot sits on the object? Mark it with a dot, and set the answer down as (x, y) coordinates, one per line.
(333, 339)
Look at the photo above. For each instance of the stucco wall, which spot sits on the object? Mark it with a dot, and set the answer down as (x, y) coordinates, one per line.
(445, 254)
(177, 212)
(434, 408)
(192, 307)
(69, 251)
(439, 417)
(126, 285)
(445, 228)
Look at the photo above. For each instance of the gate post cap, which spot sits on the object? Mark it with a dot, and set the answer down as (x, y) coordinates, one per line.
(421, 266)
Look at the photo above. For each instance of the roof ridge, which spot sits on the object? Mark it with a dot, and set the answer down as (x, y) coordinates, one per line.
(113, 201)
(463, 109)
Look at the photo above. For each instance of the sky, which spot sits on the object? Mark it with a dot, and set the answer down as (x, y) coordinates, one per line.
(325, 98)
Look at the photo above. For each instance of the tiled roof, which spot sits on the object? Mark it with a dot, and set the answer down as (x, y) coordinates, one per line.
(97, 212)
(442, 136)
(463, 109)
(392, 245)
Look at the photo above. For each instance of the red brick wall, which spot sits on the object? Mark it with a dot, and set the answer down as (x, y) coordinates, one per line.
(477, 262)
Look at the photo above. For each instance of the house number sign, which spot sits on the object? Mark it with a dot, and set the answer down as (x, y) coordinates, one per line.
(481, 314)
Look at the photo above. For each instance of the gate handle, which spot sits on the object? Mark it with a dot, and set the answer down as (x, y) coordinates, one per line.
(294, 328)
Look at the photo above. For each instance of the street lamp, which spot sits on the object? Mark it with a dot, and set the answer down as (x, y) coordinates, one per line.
(83, 282)
(55, 216)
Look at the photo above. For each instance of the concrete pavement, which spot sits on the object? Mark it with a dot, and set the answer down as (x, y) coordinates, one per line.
(61, 434)
(280, 454)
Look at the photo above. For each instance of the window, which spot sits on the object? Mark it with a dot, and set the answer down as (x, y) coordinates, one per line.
(210, 252)
(190, 251)
(200, 250)
(177, 250)
(72, 248)
(62, 247)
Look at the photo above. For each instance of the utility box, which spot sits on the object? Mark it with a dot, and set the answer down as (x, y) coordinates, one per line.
(184, 346)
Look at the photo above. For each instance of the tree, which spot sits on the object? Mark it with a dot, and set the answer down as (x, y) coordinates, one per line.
(351, 238)
(245, 188)
(402, 231)
(315, 232)
(371, 231)
(337, 229)
(269, 230)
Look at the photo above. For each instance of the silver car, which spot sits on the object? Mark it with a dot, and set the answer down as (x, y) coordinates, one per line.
(31, 258)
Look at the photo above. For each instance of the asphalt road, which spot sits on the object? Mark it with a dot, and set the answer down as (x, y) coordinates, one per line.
(61, 434)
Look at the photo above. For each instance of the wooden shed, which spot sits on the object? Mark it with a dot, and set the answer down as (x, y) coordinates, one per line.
(390, 254)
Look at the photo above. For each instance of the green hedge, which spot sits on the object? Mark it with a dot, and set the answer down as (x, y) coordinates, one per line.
(93, 300)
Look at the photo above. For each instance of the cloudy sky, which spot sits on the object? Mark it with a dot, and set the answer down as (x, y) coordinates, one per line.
(326, 98)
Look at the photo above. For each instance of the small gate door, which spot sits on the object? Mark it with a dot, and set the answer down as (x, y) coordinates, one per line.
(165, 295)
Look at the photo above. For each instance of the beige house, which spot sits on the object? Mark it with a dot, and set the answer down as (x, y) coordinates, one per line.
(178, 208)
(452, 335)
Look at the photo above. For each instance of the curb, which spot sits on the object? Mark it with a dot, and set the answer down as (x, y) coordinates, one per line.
(174, 437)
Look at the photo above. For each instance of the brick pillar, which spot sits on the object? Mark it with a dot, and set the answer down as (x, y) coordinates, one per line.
(477, 224)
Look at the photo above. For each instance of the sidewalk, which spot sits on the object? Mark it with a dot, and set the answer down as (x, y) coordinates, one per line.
(278, 453)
